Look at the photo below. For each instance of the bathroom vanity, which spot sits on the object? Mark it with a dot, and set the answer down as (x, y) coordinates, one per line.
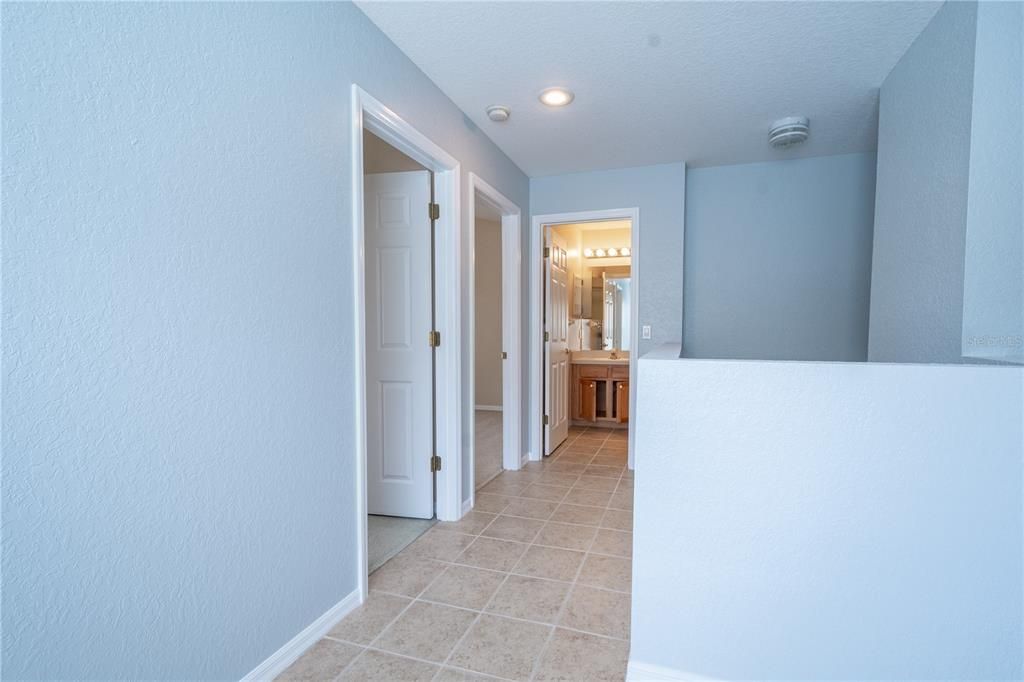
(599, 389)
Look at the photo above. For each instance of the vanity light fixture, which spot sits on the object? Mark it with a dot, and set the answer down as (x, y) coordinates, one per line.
(611, 252)
(556, 97)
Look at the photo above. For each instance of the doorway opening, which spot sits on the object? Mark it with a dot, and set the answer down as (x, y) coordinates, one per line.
(406, 234)
(400, 496)
(585, 328)
(495, 414)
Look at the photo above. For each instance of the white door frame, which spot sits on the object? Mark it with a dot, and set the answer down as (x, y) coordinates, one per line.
(511, 336)
(540, 223)
(367, 112)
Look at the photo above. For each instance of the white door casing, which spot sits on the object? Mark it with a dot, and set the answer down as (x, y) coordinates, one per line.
(556, 323)
(399, 375)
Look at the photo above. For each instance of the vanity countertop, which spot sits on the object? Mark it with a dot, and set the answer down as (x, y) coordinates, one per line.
(597, 360)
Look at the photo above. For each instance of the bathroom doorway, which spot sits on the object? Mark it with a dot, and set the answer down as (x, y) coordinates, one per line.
(584, 309)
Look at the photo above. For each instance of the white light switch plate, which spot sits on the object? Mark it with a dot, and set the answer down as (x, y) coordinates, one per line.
(645, 331)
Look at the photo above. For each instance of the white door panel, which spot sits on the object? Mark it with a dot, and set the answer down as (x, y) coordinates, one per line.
(399, 376)
(556, 324)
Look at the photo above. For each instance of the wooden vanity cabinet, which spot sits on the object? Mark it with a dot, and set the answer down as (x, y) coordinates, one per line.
(600, 395)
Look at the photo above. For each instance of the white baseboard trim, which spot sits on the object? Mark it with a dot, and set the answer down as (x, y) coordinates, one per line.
(467, 505)
(648, 672)
(279, 661)
(489, 408)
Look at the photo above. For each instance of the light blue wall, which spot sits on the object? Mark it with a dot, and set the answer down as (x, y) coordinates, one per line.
(993, 313)
(924, 141)
(659, 192)
(778, 259)
(178, 467)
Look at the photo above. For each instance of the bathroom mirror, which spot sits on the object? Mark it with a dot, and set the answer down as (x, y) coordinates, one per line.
(612, 303)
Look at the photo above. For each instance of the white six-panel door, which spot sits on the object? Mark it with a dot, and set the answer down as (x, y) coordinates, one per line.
(399, 374)
(556, 380)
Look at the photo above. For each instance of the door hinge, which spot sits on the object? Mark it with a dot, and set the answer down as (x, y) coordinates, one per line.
(435, 210)
(547, 252)
(504, 355)
(435, 463)
(545, 420)
(547, 336)
(435, 339)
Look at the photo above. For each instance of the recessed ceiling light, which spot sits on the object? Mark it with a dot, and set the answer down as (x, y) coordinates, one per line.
(557, 97)
(498, 113)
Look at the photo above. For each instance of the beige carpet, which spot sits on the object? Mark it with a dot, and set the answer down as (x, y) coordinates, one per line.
(386, 536)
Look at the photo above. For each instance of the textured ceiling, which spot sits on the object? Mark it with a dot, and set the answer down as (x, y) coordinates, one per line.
(659, 82)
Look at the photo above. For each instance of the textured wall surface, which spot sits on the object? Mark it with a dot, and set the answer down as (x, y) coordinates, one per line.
(994, 253)
(924, 138)
(778, 259)
(659, 192)
(178, 472)
(822, 521)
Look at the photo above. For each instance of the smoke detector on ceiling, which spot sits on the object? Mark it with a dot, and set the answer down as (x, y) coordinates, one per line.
(498, 113)
(789, 131)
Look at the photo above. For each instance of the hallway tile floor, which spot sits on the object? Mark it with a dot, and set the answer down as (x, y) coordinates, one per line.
(532, 584)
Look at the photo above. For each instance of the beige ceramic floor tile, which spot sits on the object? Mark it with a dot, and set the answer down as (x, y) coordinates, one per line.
(497, 555)
(529, 598)
(456, 675)
(503, 487)
(406, 574)
(621, 500)
(530, 508)
(376, 666)
(575, 656)
(463, 586)
(588, 498)
(567, 467)
(574, 513)
(613, 542)
(502, 647)
(514, 528)
(576, 457)
(323, 661)
(370, 619)
(598, 611)
(611, 573)
(607, 472)
(617, 519)
(439, 544)
(545, 492)
(556, 479)
(489, 502)
(596, 483)
(426, 631)
(566, 536)
(471, 524)
(548, 562)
